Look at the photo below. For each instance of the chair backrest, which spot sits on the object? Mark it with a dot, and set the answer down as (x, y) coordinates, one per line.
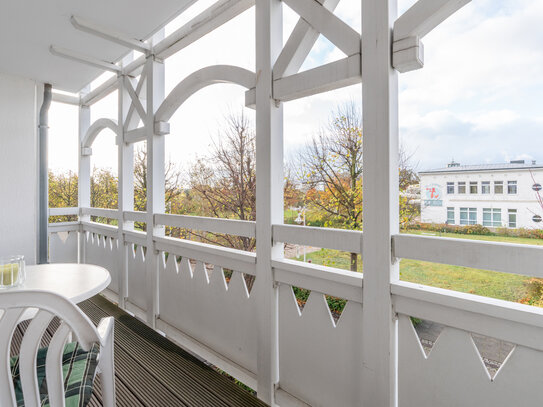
(42, 306)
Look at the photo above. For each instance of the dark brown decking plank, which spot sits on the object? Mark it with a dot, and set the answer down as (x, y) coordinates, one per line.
(192, 367)
(157, 363)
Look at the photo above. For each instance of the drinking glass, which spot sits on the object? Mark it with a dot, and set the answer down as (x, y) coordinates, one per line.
(12, 271)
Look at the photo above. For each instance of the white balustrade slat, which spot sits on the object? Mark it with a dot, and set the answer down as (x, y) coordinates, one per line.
(508, 321)
(216, 225)
(338, 239)
(233, 259)
(319, 363)
(327, 280)
(63, 247)
(137, 283)
(520, 259)
(454, 374)
(104, 251)
(199, 303)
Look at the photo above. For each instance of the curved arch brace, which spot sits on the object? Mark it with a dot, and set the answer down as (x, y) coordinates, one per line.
(96, 128)
(200, 79)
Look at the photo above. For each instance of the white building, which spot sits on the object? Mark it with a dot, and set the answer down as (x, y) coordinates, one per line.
(492, 195)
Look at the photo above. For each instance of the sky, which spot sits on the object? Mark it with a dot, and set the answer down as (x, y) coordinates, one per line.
(477, 100)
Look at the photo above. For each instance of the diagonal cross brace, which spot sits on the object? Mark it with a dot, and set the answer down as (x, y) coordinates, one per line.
(326, 23)
(298, 45)
(413, 25)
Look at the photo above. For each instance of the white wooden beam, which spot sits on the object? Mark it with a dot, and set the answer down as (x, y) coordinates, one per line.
(504, 257)
(96, 128)
(67, 99)
(134, 98)
(155, 92)
(337, 239)
(134, 135)
(215, 225)
(424, 16)
(210, 19)
(413, 25)
(381, 210)
(84, 59)
(200, 79)
(298, 45)
(326, 280)
(326, 23)
(84, 175)
(269, 195)
(324, 78)
(85, 25)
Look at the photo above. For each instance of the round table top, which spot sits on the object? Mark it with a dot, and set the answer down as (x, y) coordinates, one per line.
(78, 282)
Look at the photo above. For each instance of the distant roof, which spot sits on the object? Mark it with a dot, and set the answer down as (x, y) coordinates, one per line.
(485, 167)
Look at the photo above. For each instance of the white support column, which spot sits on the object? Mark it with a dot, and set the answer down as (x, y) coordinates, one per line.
(381, 211)
(269, 193)
(125, 190)
(155, 179)
(84, 173)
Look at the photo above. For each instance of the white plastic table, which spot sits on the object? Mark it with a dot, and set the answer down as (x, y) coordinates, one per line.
(78, 282)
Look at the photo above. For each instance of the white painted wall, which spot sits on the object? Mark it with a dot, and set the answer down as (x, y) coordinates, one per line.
(18, 167)
(524, 201)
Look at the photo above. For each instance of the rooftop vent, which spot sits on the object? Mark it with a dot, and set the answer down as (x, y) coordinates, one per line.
(517, 161)
(453, 164)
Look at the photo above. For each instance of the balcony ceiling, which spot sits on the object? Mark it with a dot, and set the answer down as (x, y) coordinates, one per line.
(29, 27)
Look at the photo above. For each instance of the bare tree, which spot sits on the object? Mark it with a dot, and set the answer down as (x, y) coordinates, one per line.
(225, 180)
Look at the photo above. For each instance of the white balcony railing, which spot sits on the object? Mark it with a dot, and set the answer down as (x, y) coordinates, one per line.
(319, 358)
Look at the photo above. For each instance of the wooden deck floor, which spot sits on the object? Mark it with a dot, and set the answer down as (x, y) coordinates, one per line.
(152, 371)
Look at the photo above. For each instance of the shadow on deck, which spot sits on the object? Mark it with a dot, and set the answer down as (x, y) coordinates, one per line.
(152, 371)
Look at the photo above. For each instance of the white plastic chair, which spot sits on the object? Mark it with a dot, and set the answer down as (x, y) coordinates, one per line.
(73, 321)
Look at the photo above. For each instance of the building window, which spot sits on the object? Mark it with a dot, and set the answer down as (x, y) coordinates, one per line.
(512, 221)
(450, 216)
(492, 217)
(468, 216)
(536, 187)
(498, 187)
(511, 187)
(461, 187)
(473, 187)
(450, 187)
(485, 187)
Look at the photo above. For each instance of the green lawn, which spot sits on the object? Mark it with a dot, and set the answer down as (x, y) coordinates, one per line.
(504, 286)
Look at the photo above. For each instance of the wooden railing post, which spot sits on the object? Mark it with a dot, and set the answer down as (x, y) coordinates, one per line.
(381, 203)
(269, 194)
(155, 93)
(125, 161)
(84, 173)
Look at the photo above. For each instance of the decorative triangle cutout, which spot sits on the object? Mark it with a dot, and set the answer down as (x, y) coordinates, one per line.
(301, 295)
(249, 282)
(227, 275)
(427, 332)
(492, 351)
(336, 306)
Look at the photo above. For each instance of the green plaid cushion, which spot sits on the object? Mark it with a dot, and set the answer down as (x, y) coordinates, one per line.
(78, 368)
